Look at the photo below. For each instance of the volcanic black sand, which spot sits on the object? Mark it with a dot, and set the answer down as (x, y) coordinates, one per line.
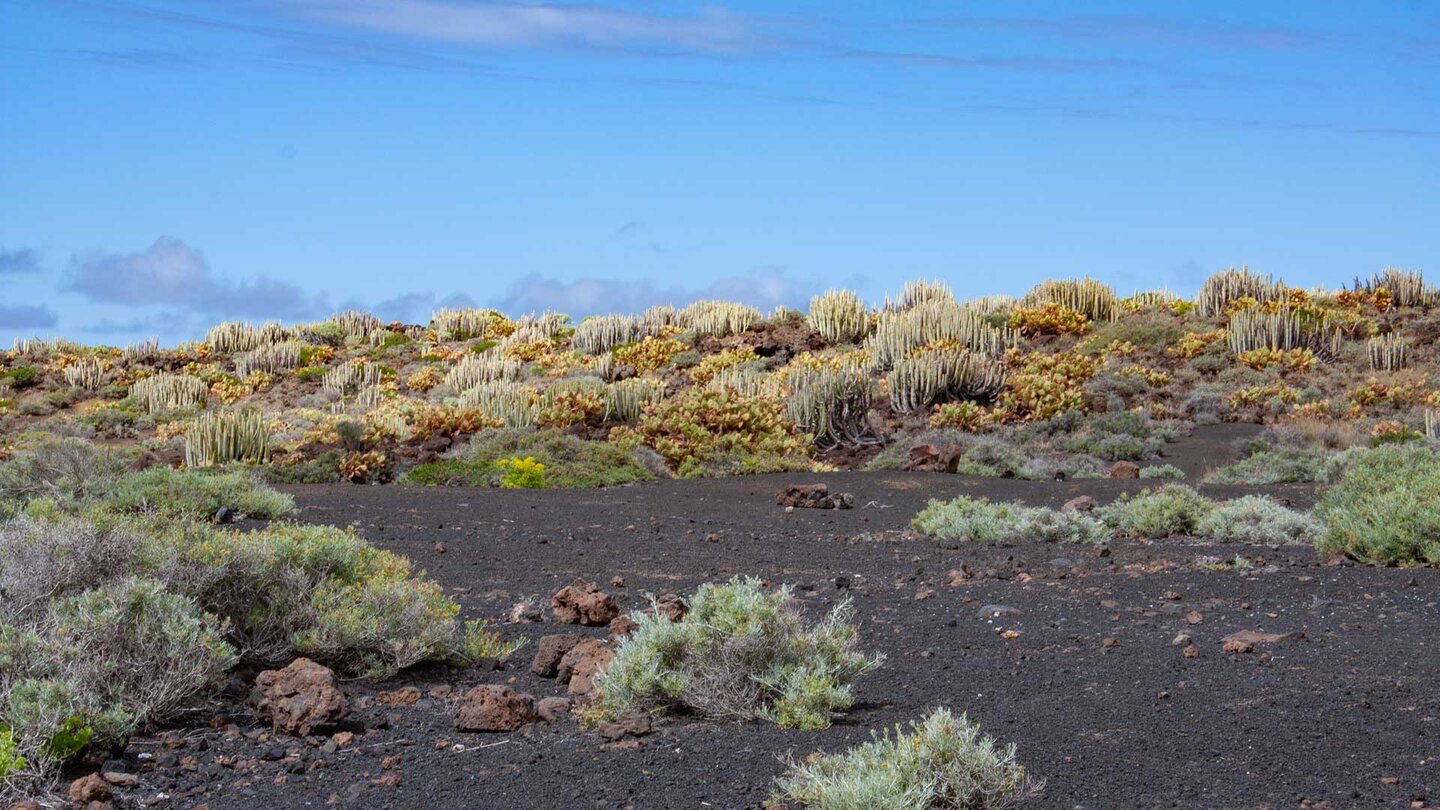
(1089, 684)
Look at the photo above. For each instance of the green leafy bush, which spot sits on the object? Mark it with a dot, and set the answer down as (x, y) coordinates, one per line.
(1275, 466)
(70, 471)
(570, 462)
(521, 473)
(1385, 508)
(942, 762)
(706, 431)
(198, 495)
(1162, 471)
(966, 518)
(1257, 519)
(20, 377)
(738, 654)
(1169, 511)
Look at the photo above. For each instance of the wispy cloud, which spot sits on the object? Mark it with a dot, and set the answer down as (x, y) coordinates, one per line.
(20, 261)
(27, 317)
(1044, 64)
(171, 273)
(1137, 29)
(763, 287)
(519, 25)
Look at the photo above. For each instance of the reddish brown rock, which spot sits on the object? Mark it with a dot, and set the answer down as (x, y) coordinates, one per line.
(494, 708)
(583, 602)
(553, 709)
(621, 627)
(813, 496)
(581, 666)
(90, 788)
(1124, 469)
(404, 696)
(634, 723)
(1082, 504)
(671, 606)
(300, 698)
(550, 650)
(929, 458)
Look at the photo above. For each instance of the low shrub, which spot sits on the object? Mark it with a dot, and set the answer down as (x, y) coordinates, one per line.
(738, 654)
(1385, 509)
(1163, 472)
(944, 761)
(569, 462)
(704, 431)
(521, 473)
(65, 470)
(1276, 466)
(198, 495)
(1169, 511)
(1257, 519)
(966, 518)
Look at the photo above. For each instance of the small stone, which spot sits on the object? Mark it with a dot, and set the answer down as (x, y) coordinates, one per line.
(494, 708)
(1194, 617)
(1171, 596)
(121, 779)
(1181, 640)
(90, 788)
(1124, 470)
(582, 602)
(1237, 646)
(548, 652)
(553, 709)
(1082, 504)
(996, 611)
(924, 593)
(1110, 641)
(1192, 651)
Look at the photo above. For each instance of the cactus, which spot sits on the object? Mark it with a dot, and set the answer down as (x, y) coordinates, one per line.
(143, 352)
(220, 437)
(1406, 288)
(746, 381)
(1230, 285)
(899, 333)
(270, 359)
(164, 392)
(1095, 300)
(916, 293)
(942, 375)
(720, 318)
(237, 336)
(508, 402)
(358, 325)
(350, 378)
(463, 324)
(1284, 328)
(597, 335)
(88, 374)
(625, 400)
(477, 369)
(832, 405)
(839, 316)
(1388, 352)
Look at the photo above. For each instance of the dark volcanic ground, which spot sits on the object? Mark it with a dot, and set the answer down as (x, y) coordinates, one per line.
(1349, 714)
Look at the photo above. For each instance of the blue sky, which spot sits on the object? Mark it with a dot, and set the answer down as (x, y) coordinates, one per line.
(165, 165)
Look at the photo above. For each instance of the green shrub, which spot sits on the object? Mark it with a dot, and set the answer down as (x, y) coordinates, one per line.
(322, 469)
(198, 495)
(45, 557)
(1163, 472)
(140, 647)
(1281, 465)
(942, 762)
(966, 518)
(705, 431)
(521, 473)
(1257, 519)
(20, 377)
(310, 373)
(69, 471)
(1169, 511)
(1385, 508)
(738, 654)
(570, 462)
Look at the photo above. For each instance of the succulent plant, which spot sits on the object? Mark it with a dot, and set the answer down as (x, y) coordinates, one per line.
(164, 392)
(1093, 299)
(839, 316)
(220, 437)
(1388, 352)
(943, 375)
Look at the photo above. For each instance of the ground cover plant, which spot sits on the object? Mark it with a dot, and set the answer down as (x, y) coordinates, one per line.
(1383, 509)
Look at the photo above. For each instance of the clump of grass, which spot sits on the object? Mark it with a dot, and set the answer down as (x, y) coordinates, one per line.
(1170, 511)
(966, 518)
(1385, 508)
(197, 495)
(943, 761)
(740, 653)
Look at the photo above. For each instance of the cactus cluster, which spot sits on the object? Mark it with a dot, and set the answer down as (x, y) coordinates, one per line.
(625, 400)
(832, 406)
(745, 381)
(603, 333)
(1227, 286)
(357, 324)
(898, 333)
(88, 373)
(222, 437)
(270, 359)
(477, 369)
(463, 324)
(505, 401)
(916, 293)
(720, 318)
(164, 392)
(1284, 328)
(1407, 288)
(1095, 300)
(839, 316)
(237, 336)
(350, 378)
(142, 352)
(1388, 352)
(943, 375)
